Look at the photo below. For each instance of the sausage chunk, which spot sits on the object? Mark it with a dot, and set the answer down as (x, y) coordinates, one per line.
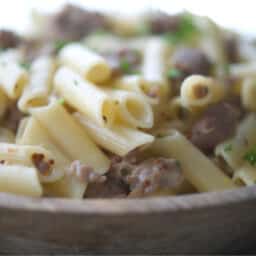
(153, 175)
(217, 124)
(188, 61)
(160, 23)
(232, 49)
(12, 117)
(124, 61)
(191, 61)
(9, 39)
(73, 23)
(113, 187)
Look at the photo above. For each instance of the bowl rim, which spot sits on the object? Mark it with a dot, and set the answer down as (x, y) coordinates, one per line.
(181, 203)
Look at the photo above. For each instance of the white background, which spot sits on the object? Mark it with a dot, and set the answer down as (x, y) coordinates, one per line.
(236, 14)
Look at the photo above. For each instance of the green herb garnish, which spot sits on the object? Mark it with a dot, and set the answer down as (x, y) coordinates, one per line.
(250, 156)
(228, 147)
(61, 101)
(58, 45)
(25, 65)
(186, 30)
(125, 66)
(174, 73)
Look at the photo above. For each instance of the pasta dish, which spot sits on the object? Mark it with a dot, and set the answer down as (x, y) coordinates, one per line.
(102, 106)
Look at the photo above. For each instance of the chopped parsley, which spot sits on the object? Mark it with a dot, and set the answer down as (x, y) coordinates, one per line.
(61, 101)
(58, 45)
(228, 147)
(186, 30)
(174, 73)
(126, 67)
(25, 65)
(250, 156)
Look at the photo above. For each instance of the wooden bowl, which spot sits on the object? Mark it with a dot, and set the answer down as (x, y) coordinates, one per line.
(216, 222)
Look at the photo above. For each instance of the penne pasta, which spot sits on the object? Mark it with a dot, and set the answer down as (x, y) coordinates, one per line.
(48, 167)
(13, 78)
(132, 109)
(37, 91)
(19, 180)
(84, 96)
(153, 67)
(70, 136)
(32, 133)
(137, 84)
(245, 175)
(198, 91)
(197, 168)
(117, 139)
(234, 149)
(90, 65)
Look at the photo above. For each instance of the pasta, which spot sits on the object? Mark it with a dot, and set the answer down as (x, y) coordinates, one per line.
(202, 174)
(19, 180)
(234, 149)
(13, 78)
(245, 175)
(198, 91)
(90, 65)
(119, 139)
(37, 91)
(84, 96)
(132, 108)
(154, 62)
(96, 106)
(60, 124)
(49, 169)
(32, 133)
(136, 84)
(248, 93)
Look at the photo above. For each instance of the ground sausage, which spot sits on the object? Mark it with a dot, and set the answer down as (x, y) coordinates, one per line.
(85, 173)
(73, 23)
(160, 22)
(111, 188)
(9, 39)
(153, 175)
(191, 61)
(124, 61)
(217, 124)
(188, 61)
(232, 49)
(12, 117)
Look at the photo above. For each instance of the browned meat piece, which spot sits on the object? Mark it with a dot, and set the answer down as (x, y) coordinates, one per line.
(85, 173)
(160, 23)
(12, 117)
(191, 61)
(9, 39)
(232, 49)
(43, 166)
(73, 23)
(154, 174)
(124, 61)
(185, 62)
(111, 188)
(217, 124)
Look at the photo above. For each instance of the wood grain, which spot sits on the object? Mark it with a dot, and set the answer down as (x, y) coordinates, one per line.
(218, 222)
